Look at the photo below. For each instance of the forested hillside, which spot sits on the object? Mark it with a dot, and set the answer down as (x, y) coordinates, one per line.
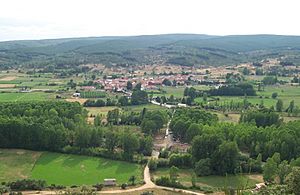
(178, 49)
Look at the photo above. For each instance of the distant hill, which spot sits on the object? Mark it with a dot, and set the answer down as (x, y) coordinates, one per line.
(181, 49)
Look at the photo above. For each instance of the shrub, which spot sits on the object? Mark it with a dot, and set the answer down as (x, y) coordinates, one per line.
(162, 163)
(27, 184)
(152, 164)
(123, 186)
(202, 167)
(166, 181)
(98, 186)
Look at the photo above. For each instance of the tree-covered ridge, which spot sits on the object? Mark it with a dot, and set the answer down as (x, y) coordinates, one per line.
(178, 49)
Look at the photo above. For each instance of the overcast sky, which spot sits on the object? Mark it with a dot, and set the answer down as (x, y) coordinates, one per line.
(40, 19)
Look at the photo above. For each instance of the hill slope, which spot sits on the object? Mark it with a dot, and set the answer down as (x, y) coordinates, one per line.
(181, 49)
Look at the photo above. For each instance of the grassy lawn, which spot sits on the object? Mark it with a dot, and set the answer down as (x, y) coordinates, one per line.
(35, 96)
(77, 170)
(234, 181)
(16, 164)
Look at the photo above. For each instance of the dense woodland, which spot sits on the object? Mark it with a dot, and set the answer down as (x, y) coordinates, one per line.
(61, 127)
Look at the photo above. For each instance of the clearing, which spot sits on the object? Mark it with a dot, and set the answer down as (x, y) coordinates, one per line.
(234, 181)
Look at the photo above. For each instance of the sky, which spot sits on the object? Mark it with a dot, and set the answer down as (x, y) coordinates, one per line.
(45, 19)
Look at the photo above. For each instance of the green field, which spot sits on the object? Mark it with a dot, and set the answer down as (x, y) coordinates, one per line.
(139, 108)
(233, 181)
(286, 93)
(29, 96)
(63, 169)
(16, 164)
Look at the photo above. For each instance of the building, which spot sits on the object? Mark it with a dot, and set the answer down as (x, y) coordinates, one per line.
(110, 182)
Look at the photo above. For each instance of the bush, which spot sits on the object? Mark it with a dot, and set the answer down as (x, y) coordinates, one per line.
(166, 181)
(124, 186)
(161, 163)
(98, 186)
(27, 184)
(152, 164)
(164, 153)
(180, 160)
(203, 167)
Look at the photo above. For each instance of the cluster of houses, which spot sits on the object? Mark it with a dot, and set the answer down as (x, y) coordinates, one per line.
(148, 83)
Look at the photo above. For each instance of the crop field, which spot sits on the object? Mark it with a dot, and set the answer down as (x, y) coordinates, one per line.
(77, 170)
(32, 96)
(233, 181)
(63, 169)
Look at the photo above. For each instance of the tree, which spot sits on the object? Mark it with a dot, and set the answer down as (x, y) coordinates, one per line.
(173, 172)
(130, 144)
(167, 82)
(111, 140)
(274, 95)
(96, 137)
(139, 97)
(225, 159)
(246, 71)
(123, 101)
(82, 137)
(269, 170)
(132, 179)
(138, 87)
(279, 105)
(291, 107)
(283, 170)
(203, 167)
(152, 164)
(113, 116)
(146, 145)
(205, 97)
(129, 85)
(204, 146)
(192, 131)
(294, 180)
(148, 126)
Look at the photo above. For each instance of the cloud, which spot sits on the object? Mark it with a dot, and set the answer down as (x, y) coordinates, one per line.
(36, 19)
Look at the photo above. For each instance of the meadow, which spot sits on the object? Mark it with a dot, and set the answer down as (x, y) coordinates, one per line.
(16, 164)
(234, 181)
(63, 169)
(28, 96)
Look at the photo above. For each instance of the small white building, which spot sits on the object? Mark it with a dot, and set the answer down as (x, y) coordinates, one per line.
(110, 182)
(76, 94)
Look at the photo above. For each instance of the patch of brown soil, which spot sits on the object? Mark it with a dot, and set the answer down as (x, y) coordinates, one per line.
(7, 85)
(8, 78)
(80, 100)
